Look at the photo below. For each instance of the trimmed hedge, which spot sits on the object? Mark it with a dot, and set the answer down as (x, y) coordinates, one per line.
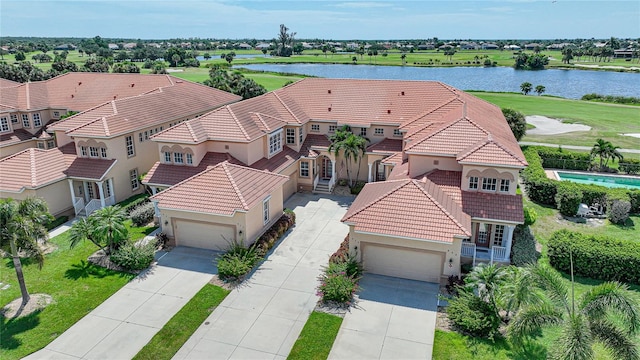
(56, 222)
(596, 257)
(543, 190)
(630, 166)
(143, 214)
(560, 159)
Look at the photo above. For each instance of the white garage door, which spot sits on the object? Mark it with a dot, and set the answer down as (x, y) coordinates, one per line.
(203, 235)
(402, 262)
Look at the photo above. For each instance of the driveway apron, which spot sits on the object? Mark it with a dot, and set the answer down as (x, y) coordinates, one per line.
(125, 322)
(264, 316)
(393, 319)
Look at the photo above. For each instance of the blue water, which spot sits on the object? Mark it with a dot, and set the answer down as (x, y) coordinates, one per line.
(602, 180)
(564, 83)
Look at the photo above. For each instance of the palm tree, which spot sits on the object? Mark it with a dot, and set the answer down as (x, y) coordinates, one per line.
(352, 146)
(104, 228)
(23, 224)
(486, 281)
(540, 89)
(606, 151)
(584, 322)
(403, 57)
(84, 229)
(525, 87)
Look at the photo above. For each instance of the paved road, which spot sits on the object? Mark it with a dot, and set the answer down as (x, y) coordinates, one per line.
(576, 147)
(124, 323)
(263, 318)
(393, 319)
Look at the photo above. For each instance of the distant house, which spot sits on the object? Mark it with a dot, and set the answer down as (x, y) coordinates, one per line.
(244, 46)
(64, 47)
(113, 46)
(469, 45)
(490, 46)
(426, 46)
(262, 46)
(129, 46)
(558, 46)
(352, 45)
(532, 46)
(512, 47)
(623, 53)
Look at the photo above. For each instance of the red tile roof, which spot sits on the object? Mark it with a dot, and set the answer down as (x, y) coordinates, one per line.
(490, 152)
(168, 174)
(121, 116)
(493, 206)
(89, 169)
(7, 83)
(33, 168)
(386, 146)
(408, 208)
(17, 136)
(222, 189)
(450, 139)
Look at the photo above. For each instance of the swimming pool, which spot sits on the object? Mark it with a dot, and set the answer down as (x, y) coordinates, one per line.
(603, 180)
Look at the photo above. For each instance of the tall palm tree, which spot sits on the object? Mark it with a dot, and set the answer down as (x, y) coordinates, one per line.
(606, 151)
(23, 224)
(584, 322)
(352, 147)
(84, 229)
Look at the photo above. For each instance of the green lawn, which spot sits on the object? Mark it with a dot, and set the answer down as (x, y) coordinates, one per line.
(183, 324)
(76, 286)
(608, 121)
(317, 337)
(270, 81)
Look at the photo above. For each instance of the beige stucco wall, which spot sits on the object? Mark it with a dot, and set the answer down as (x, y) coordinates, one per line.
(500, 173)
(16, 148)
(452, 251)
(250, 223)
(57, 196)
(420, 164)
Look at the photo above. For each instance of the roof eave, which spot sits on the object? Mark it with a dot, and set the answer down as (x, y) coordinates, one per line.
(406, 237)
(493, 165)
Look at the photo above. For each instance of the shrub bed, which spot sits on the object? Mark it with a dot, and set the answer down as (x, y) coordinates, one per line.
(630, 166)
(561, 159)
(133, 202)
(339, 282)
(57, 222)
(473, 316)
(238, 261)
(596, 257)
(134, 257)
(543, 190)
(142, 214)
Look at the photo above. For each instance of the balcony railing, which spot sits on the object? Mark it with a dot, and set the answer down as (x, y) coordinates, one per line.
(78, 206)
(92, 206)
(468, 249)
(495, 253)
(499, 253)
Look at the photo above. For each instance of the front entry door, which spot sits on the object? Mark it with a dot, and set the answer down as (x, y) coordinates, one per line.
(326, 169)
(482, 235)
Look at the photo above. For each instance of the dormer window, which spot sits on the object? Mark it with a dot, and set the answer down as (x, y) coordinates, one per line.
(83, 151)
(189, 159)
(25, 120)
(37, 122)
(315, 127)
(489, 184)
(177, 158)
(4, 124)
(473, 183)
(275, 143)
(291, 136)
(363, 131)
(504, 185)
(167, 157)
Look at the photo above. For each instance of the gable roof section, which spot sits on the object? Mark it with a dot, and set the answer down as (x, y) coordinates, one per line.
(222, 189)
(130, 114)
(493, 206)
(449, 139)
(7, 83)
(33, 168)
(408, 208)
(89, 169)
(490, 152)
(386, 146)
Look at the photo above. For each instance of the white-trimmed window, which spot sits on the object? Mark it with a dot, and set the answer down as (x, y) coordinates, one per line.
(25, 120)
(56, 114)
(133, 176)
(83, 150)
(146, 135)
(40, 145)
(504, 185)
(498, 234)
(129, 142)
(473, 183)
(265, 210)
(51, 144)
(167, 156)
(489, 184)
(4, 124)
(189, 159)
(396, 132)
(378, 132)
(291, 136)
(304, 169)
(301, 135)
(140, 137)
(93, 151)
(275, 143)
(315, 127)
(14, 118)
(37, 122)
(333, 128)
(363, 131)
(103, 152)
(177, 158)
(90, 191)
(161, 127)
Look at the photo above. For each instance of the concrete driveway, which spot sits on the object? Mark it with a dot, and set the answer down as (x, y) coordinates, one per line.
(393, 319)
(263, 318)
(125, 322)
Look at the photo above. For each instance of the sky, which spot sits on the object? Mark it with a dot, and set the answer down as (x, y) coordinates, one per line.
(326, 19)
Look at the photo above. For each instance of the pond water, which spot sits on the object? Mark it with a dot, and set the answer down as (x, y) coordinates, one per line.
(565, 83)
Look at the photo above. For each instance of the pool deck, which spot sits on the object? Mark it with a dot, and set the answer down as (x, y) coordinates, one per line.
(552, 174)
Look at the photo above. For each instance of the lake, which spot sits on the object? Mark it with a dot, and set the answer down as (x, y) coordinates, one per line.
(565, 83)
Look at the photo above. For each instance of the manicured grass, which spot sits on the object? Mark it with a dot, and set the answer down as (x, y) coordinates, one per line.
(608, 121)
(271, 81)
(183, 324)
(76, 286)
(137, 233)
(317, 337)
(455, 346)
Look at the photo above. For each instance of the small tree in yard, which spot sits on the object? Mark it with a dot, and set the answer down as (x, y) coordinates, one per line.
(526, 87)
(352, 147)
(104, 228)
(516, 121)
(540, 89)
(23, 224)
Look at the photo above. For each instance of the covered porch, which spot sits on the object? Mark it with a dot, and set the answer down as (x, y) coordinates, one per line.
(489, 243)
(88, 196)
(325, 177)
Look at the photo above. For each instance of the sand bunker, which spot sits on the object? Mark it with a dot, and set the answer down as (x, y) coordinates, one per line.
(549, 126)
(636, 135)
